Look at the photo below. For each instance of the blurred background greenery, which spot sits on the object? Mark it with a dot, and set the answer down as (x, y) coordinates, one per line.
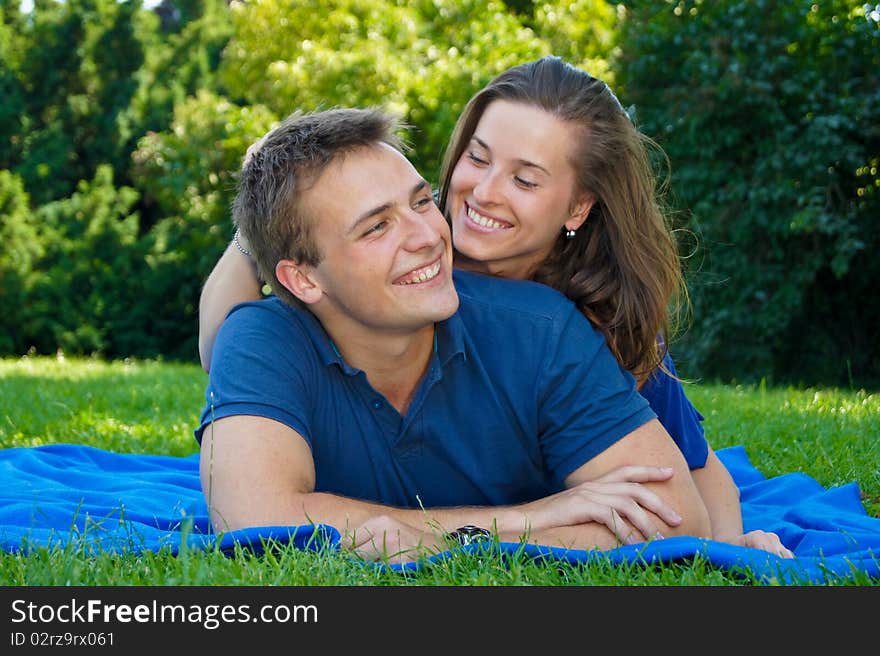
(122, 127)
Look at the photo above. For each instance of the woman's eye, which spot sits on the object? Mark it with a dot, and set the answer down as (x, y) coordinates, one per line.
(475, 159)
(525, 183)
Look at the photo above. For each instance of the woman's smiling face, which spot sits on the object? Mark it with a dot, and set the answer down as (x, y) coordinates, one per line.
(513, 190)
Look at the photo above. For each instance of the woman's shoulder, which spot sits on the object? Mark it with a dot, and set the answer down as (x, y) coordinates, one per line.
(664, 387)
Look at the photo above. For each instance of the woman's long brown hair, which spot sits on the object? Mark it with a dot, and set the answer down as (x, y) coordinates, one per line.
(622, 268)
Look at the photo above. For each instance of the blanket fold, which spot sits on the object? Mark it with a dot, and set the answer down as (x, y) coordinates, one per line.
(72, 495)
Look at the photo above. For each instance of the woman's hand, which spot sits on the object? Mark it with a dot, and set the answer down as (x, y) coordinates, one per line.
(764, 540)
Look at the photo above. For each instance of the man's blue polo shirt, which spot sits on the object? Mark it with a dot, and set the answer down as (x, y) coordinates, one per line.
(520, 392)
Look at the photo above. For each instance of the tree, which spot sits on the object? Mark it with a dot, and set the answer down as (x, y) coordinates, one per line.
(12, 126)
(583, 32)
(189, 171)
(21, 248)
(89, 276)
(421, 60)
(78, 70)
(769, 112)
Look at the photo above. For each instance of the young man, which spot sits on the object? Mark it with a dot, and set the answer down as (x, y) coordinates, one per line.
(378, 395)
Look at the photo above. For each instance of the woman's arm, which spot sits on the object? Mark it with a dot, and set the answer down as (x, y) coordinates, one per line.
(665, 393)
(721, 497)
(717, 488)
(233, 280)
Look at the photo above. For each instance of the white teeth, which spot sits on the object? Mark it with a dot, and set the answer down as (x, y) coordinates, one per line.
(479, 219)
(424, 275)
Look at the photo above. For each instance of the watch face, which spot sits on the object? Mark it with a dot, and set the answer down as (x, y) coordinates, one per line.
(469, 534)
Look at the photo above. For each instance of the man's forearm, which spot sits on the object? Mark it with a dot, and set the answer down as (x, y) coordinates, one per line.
(378, 532)
(585, 536)
(617, 503)
(346, 514)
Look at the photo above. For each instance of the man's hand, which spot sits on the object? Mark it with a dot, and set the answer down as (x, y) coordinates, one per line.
(616, 500)
(387, 539)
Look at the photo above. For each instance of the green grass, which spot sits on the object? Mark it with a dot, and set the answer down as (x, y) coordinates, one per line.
(152, 407)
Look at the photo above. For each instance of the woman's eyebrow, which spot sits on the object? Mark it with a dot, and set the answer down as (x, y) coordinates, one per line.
(520, 161)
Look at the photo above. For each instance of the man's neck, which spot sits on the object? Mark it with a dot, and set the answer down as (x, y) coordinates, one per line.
(394, 363)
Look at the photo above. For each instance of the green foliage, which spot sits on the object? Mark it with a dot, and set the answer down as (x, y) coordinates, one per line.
(189, 169)
(87, 78)
(769, 112)
(12, 108)
(21, 247)
(86, 81)
(88, 275)
(187, 173)
(79, 73)
(421, 60)
(583, 32)
(178, 65)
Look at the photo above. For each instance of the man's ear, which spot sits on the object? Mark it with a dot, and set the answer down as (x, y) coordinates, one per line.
(580, 211)
(299, 281)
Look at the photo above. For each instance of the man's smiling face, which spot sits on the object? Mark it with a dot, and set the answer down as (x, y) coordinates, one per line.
(386, 248)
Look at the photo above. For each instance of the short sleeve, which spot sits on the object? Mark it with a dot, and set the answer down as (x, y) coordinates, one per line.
(587, 400)
(252, 374)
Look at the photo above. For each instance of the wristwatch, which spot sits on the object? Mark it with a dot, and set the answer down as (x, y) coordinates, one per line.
(469, 534)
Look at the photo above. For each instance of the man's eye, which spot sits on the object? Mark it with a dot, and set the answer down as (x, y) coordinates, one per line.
(422, 203)
(376, 228)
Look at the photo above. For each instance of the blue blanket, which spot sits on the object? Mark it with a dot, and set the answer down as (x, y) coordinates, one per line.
(76, 496)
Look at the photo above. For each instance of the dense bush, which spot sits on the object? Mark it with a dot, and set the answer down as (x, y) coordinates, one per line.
(90, 263)
(21, 249)
(770, 113)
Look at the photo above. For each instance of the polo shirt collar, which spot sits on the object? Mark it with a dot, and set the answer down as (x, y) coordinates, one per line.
(449, 339)
(325, 347)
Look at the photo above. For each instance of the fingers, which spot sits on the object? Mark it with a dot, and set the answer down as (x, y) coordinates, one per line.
(632, 502)
(647, 499)
(386, 540)
(623, 531)
(619, 513)
(766, 541)
(636, 474)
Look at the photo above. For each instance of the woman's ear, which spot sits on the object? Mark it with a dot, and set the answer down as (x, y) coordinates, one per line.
(580, 211)
(299, 281)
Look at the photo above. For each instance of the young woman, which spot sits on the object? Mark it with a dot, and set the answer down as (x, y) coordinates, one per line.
(546, 178)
